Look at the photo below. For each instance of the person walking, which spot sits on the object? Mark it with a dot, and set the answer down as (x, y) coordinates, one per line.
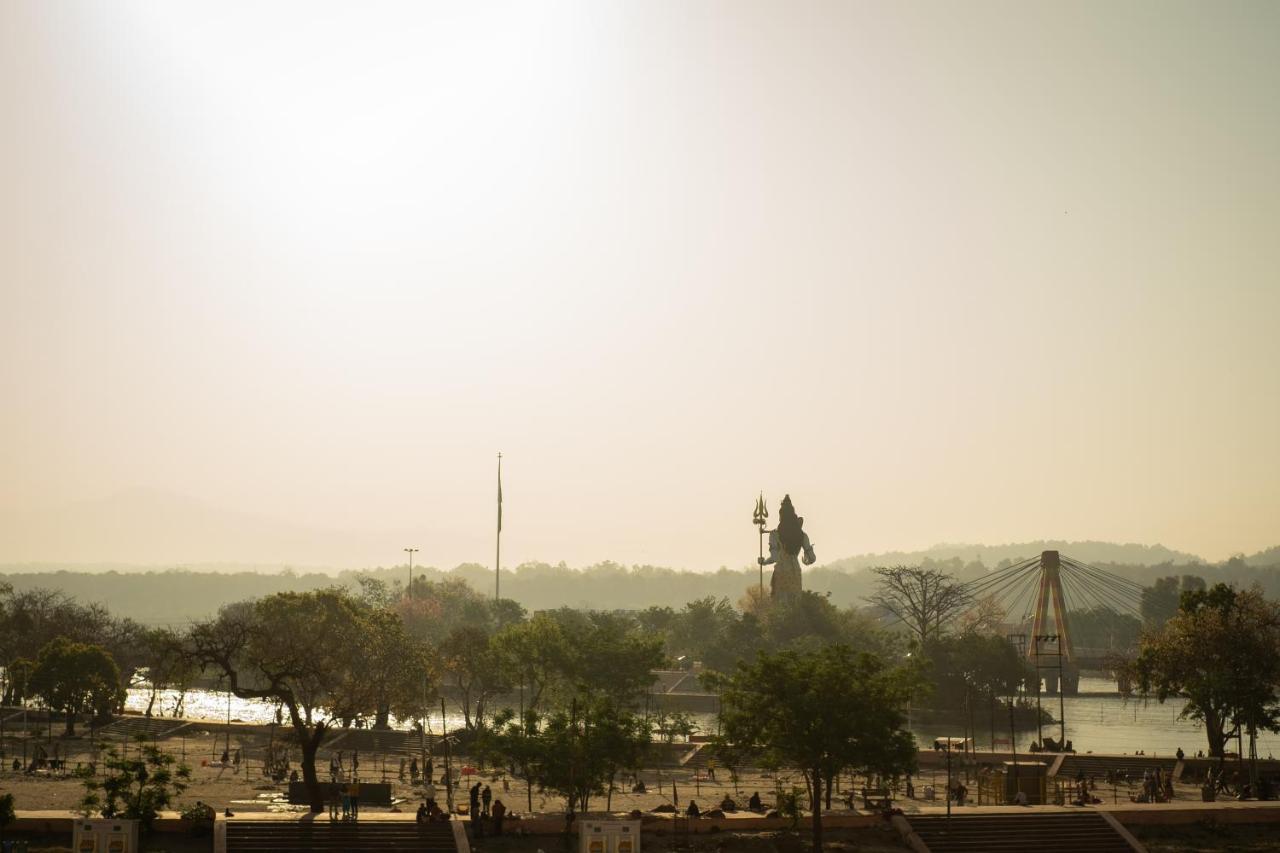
(331, 794)
(475, 798)
(345, 792)
(354, 789)
(486, 796)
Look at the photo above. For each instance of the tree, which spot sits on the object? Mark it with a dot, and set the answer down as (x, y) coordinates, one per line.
(962, 668)
(135, 787)
(923, 599)
(822, 713)
(401, 669)
(474, 668)
(308, 652)
(576, 752)
(168, 668)
(76, 678)
(1221, 652)
(985, 617)
(1160, 600)
(534, 654)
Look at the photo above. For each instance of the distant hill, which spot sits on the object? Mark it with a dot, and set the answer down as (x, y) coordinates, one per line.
(1269, 557)
(992, 555)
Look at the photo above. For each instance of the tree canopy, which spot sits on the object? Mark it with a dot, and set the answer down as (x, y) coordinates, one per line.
(823, 712)
(76, 678)
(1221, 652)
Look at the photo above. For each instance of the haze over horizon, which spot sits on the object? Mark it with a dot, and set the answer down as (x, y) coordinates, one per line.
(981, 272)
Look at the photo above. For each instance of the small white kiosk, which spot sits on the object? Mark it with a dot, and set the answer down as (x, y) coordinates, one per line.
(98, 835)
(609, 836)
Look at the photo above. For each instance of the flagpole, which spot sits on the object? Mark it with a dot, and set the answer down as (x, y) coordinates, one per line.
(497, 556)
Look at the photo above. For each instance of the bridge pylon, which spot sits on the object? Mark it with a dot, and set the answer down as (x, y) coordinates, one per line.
(1050, 649)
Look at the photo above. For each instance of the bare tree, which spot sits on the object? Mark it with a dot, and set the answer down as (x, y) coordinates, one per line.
(923, 599)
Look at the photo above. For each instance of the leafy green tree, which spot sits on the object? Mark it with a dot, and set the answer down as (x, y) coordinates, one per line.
(576, 752)
(1160, 601)
(1103, 628)
(566, 654)
(1221, 653)
(308, 652)
(472, 666)
(76, 678)
(822, 713)
(402, 670)
(135, 787)
(971, 667)
(535, 655)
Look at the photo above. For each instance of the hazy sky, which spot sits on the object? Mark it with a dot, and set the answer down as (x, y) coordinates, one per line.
(944, 272)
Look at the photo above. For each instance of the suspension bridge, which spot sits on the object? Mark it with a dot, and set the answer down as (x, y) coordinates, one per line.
(1038, 594)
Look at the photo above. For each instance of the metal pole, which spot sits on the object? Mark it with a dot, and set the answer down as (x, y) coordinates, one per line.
(410, 552)
(448, 765)
(497, 555)
(949, 779)
(1062, 703)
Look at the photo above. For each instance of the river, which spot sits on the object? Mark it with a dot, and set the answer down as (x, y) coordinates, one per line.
(1098, 720)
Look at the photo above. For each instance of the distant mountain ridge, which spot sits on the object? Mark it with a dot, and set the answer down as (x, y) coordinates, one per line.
(991, 555)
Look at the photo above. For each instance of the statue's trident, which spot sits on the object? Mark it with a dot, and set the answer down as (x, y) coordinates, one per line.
(758, 518)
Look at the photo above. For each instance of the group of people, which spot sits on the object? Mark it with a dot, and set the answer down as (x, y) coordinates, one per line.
(412, 766)
(1157, 787)
(346, 795)
(726, 805)
(337, 767)
(484, 808)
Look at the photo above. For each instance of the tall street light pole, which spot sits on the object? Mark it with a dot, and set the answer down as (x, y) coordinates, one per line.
(410, 552)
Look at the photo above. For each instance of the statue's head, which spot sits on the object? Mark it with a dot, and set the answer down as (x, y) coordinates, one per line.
(789, 527)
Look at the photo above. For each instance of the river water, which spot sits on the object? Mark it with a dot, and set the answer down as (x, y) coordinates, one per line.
(1098, 720)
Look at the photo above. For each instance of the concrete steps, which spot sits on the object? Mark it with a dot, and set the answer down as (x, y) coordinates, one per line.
(383, 742)
(1124, 766)
(369, 836)
(129, 728)
(1040, 832)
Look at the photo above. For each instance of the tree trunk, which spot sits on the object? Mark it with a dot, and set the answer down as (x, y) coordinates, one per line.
(310, 745)
(817, 810)
(71, 723)
(382, 719)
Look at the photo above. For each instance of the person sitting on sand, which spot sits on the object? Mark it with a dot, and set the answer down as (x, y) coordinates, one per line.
(728, 805)
(693, 811)
(754, 803)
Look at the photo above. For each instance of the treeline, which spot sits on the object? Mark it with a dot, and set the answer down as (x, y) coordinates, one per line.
(177, 596)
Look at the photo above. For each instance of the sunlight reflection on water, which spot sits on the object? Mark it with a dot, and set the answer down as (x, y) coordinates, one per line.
(1099, 720)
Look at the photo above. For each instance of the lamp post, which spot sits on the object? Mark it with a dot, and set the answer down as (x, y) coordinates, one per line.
(410, 552)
